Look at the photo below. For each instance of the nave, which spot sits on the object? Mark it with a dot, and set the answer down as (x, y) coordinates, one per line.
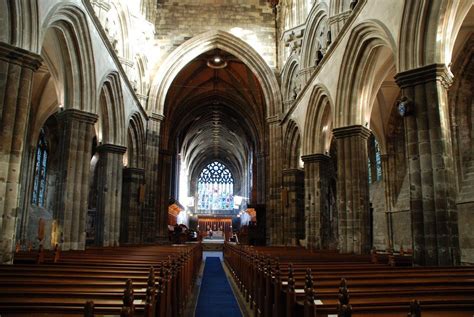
(324, 133)
(244, 280)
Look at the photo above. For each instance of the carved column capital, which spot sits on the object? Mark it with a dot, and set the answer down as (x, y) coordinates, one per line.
(79, 115)
(425, 74)
(349, 131)
(19, 56)
(292, 171)
(111, 148)
(318, 157)
(273, 119)
(156, 117)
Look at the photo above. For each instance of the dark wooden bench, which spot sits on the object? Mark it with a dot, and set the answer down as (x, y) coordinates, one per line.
(113, 281)
(375, 289)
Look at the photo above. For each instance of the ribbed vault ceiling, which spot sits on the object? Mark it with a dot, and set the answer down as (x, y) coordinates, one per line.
(215, 113)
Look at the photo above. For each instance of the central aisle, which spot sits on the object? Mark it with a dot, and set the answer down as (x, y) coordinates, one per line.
(216, 297)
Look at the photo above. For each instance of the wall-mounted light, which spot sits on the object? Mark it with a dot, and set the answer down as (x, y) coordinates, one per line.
(216, 62)
(405, 107)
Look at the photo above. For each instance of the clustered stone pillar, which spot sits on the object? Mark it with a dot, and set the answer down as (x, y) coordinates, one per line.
(293, 211)
(274, 181)
(77, 132)
(150, 209)
(164, 195)
(430, 165)
(16, 75)
(109, 186)
(316, 186)
(353, 189)
(388, 184)
(259, 177)
(133, 184)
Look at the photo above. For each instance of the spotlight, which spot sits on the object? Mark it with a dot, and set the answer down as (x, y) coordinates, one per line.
(216, 62)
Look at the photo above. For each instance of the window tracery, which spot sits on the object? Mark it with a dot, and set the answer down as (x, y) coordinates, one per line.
(41, 165)
(216, 188)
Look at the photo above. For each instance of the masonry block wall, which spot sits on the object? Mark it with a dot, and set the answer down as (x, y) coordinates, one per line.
(249, 20)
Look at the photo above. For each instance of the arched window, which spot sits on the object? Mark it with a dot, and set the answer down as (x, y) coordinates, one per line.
(375, 161)
(216, 188)
(41, 165)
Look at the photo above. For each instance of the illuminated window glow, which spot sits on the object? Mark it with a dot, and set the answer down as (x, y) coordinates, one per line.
(216, 188)
(39, 182)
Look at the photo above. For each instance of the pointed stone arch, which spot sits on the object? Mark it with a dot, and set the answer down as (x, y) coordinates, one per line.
(19, 23)
(428, 32)
(123, 17)
(70, 26)
(111, 112)
(292, 146)
(136, 141)
(141, 69)
(318, 122)
(317, 15)
(202, 43)
(289, 78)
(357, 76)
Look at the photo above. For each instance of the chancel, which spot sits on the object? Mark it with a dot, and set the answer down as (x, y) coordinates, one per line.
(236, 158)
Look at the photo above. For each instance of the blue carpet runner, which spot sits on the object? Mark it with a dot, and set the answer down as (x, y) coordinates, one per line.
(216, 297)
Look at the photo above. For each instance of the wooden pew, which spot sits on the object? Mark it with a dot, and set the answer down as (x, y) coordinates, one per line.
(267, 282)
(62, 287)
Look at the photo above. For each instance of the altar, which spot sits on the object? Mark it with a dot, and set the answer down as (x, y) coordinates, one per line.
(219, 234)
(215, 228)
(213, 240)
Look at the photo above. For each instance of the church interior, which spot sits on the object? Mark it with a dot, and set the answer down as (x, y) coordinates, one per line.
(237, 158)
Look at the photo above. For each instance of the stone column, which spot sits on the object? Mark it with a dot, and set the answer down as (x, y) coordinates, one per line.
(164, 195)
(430, 165)
(274, 180)
(133, 179)
(16, 77)
(316, 186)
(388, 180)
(259, 177)
(353, 189)
(293, 218)
(109, 187)
(75, 146)
(152, 187)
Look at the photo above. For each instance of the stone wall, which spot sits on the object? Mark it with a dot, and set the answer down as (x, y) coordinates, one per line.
(398, 221)
(36, 213)
(379, 217)
(466, 239)
(401, 218)
(250, 20)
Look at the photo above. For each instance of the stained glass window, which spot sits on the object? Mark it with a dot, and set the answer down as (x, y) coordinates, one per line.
(216, 188)
(39, 182)
(377, 160)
